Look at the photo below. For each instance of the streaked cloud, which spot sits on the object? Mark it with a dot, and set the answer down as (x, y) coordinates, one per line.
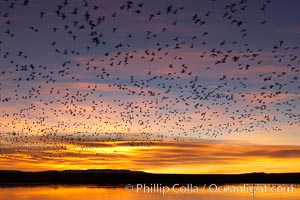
(166, 157)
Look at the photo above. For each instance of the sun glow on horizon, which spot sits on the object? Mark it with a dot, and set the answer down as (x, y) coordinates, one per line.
(159, 157)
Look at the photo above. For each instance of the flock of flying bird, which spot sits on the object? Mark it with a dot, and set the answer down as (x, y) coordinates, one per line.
(118, 83)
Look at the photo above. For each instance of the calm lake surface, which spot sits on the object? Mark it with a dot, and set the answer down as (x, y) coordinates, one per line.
(235, 192)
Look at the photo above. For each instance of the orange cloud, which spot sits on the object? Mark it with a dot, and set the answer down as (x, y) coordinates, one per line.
(166, 157)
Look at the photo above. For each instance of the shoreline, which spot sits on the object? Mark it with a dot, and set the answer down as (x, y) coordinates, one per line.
(123, 177)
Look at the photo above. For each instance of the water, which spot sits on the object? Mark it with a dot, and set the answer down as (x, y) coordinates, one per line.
(233, 192)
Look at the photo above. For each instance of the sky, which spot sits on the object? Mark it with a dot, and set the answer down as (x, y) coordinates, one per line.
(190, 86)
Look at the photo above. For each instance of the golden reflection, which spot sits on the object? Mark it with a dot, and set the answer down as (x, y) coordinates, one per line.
(212, 192)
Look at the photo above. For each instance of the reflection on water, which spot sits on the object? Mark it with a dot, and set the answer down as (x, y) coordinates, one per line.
(235, 192)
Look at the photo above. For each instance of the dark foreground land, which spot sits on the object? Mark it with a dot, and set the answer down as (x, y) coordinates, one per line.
(123, 177)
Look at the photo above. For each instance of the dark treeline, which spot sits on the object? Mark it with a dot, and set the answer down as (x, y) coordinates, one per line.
(122, 177)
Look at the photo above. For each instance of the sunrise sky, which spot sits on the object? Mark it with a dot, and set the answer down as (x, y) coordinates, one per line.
(158, 86)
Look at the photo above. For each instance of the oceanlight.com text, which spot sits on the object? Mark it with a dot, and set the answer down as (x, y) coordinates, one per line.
(252, 189)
